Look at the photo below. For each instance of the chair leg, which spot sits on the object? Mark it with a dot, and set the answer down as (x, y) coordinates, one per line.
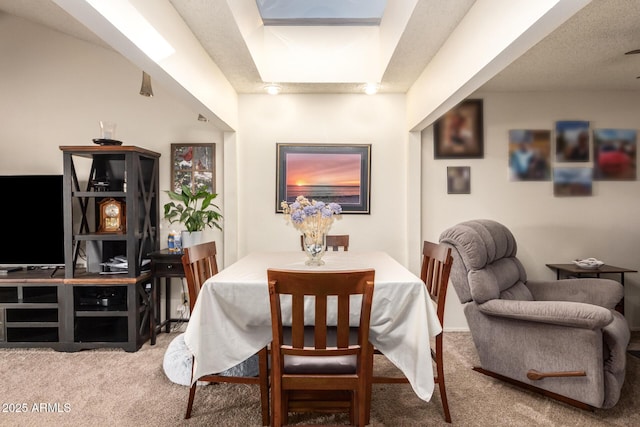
(440, 379)
(192, 393)
(263, 369)
(284, 407)
(361, 416)
(369, 386)
(276, 403)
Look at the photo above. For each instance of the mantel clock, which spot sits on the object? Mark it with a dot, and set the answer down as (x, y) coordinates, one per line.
(112, 216)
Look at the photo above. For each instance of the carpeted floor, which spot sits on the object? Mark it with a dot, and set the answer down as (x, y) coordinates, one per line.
(41, 387)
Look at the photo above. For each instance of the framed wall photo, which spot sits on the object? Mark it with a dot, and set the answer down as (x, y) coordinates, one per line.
(459, 134)
(572, 141)
(529, 155)
(337, 173)
(458, 180)
(614, 154)
(193, 165)
(568, 181)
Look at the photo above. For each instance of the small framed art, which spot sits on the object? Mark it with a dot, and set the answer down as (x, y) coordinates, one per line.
(193, 165)
(458, 180)
(459, 133)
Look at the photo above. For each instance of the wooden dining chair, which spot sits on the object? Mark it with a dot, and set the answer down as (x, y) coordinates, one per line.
(337, 241)
(334, 242)
(199, 262)
(318, 366)
(434, 272)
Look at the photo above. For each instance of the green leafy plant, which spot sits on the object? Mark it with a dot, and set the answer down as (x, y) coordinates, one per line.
(193, 209)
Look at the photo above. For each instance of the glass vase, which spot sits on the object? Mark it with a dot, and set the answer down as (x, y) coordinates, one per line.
(314, 245)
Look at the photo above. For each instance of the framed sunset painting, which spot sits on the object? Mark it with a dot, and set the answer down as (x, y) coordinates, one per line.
(324, 172)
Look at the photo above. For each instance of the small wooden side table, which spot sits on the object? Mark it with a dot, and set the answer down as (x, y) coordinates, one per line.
(168, 265)
(574, 270)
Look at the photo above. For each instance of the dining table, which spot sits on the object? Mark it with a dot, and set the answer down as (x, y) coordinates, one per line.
(231, 319)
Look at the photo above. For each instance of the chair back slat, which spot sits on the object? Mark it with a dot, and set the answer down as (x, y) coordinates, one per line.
(320, 324)
(344, 305)
(199, 263)
(436, 267)
(297, 320)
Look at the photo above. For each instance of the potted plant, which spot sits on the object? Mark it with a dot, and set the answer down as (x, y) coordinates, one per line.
(193, 209)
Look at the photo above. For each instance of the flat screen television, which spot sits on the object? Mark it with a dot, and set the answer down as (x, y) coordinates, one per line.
(32, 221)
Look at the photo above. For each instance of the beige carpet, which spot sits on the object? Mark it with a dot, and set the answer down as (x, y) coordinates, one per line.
(115, 388)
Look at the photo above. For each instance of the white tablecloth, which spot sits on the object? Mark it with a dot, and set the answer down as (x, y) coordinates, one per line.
(231, 319)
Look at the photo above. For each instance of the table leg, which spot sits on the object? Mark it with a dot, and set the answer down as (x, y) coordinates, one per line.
(153, 321)
(167, 303)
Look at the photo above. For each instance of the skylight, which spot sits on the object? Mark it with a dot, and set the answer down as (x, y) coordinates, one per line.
(321, 12)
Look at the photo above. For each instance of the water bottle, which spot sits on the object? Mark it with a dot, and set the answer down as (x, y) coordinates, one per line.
(177, 242)
(171, 241)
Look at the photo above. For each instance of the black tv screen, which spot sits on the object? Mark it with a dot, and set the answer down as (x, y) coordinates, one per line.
(32, 219)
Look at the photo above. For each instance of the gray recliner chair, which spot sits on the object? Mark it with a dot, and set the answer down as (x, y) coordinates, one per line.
(561, 338)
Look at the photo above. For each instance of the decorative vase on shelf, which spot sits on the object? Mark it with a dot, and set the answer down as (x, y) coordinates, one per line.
(313, 219)
(314, 245)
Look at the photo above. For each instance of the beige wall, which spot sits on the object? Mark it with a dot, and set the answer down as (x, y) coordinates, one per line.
(328, 119)
(548, 229)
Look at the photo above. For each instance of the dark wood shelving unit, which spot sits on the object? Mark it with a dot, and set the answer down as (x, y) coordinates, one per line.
(109, 310)
(80, 307)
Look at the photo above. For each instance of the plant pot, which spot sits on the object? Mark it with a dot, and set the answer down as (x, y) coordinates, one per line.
(191, 238)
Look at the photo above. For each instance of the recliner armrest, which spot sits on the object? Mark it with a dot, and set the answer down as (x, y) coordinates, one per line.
(563, 313)
(602, 292)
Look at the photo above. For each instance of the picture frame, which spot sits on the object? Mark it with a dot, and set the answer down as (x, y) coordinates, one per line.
(529, 154)
(614, 154)
(572, 141)
(459, 133)
(339, 173)
(572, 181)
(193, 165)
(458, 180)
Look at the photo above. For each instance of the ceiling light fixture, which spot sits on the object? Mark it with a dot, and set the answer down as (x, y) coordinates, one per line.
(146, 90)
(371, 88)
(273, 89)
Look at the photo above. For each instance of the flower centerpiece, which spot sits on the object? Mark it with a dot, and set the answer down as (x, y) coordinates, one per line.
(313, 219)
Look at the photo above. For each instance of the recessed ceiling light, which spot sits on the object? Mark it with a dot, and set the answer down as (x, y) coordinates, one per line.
(273, 89)
(371, 88)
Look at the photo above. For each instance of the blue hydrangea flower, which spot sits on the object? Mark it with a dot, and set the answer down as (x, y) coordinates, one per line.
(297, 217)
(310, 210)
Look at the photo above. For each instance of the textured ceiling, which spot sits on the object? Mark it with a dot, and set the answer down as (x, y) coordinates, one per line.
(586, 52)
